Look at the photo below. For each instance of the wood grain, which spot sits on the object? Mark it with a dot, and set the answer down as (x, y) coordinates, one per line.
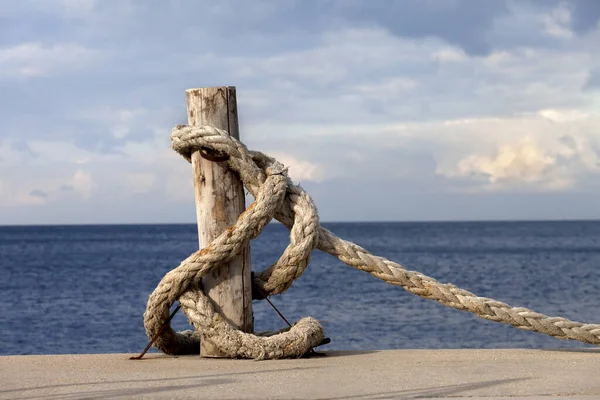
(220, 200)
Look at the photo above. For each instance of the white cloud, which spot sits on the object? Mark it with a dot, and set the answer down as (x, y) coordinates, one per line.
(159, 168)
(450, 55)
(82, 183)
(521, 162)
(300, 170)
(557, 22)
(525, 152)
(123, 125)
(120, 122)
(54, 186)
(369, 77)
(11, 196)
(59, 151)
(34, 59)
(497, 58)
(138, 183)
(390, 87)
(564, 115)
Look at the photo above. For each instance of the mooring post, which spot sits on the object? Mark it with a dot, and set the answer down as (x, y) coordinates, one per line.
(219, 201)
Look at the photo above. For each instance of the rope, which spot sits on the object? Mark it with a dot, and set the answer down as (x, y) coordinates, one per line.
(277, 197)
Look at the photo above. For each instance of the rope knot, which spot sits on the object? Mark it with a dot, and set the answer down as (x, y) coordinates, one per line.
(267, 180)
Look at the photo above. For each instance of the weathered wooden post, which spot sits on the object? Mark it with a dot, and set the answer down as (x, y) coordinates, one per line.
(219, 201)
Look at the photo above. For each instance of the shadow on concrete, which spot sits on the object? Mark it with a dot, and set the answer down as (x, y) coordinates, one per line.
(440, 391)
(129, 392)
(204, 380)
(346, 353)
(591, 351)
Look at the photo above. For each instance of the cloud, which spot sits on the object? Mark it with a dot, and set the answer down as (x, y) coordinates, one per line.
(370, 77)
(520, 163)
(462, 23)
(54, 187)
(29, 60)
(15, 197)
(593, 80)
(82, 183)
(139, 183)
(557, 22)
(586, 14)
(564, 115)
(38, 193)
(300, 170)
(528, 153)
(265, 26)
(409, 98)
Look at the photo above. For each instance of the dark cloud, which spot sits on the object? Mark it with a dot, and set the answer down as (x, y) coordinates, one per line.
(568, 142)
(593, 80)
(463, 23)
(22, 146)
(38, 193)
(585, 15)
(260, 27)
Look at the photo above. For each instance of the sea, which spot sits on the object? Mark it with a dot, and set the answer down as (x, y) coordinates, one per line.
(83, 289)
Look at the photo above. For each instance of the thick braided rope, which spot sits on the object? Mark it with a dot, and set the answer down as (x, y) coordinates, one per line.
(182, 282)
(185, 138)
(301, 214)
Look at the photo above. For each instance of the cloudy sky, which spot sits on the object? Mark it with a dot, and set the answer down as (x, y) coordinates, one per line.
(383, 110)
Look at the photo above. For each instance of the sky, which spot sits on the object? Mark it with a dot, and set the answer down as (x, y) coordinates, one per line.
(382, 110)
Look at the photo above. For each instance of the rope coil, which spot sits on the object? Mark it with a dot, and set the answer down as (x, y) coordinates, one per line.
(277, 197)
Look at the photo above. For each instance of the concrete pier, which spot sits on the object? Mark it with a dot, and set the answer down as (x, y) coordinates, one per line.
(401, 374)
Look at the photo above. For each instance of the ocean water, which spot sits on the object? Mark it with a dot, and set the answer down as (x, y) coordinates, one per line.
(83, 289)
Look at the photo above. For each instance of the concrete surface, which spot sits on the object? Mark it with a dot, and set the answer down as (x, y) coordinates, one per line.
(402, 374)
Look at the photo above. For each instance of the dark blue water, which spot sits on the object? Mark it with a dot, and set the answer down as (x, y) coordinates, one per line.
(83, 289)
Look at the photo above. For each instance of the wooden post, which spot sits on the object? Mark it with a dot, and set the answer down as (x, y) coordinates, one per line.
(219, 201)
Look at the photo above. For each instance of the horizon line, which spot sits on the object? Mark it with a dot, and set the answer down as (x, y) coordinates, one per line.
(507, 220)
